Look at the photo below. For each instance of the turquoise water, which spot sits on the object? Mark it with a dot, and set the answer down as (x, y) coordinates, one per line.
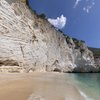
(88, 83)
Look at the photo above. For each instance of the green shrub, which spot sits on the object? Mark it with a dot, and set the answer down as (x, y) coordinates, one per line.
(68, 39)
(96, 51)
(27, 2)
(82, 50)
(78, 43)
(43, 16)
(82, 41)
(75, 40)
(60, 30)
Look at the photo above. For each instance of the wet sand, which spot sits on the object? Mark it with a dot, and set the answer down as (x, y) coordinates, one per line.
(37, 86)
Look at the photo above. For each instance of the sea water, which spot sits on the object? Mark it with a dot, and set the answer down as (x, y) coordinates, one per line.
(55, 86)
(88, 84)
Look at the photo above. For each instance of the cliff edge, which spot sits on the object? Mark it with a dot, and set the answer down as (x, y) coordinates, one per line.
(29, 42)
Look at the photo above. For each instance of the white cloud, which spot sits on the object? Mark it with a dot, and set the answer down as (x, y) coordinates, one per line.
(88, 7)
(59, 22)
(76, 3)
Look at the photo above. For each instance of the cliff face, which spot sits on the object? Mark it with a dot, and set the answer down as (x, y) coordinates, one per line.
(96, 54)
(30, 43)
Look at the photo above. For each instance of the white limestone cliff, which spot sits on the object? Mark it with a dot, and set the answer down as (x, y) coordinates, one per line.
(30, 43)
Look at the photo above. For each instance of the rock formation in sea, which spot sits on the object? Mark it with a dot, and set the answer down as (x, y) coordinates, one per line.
(28, 42)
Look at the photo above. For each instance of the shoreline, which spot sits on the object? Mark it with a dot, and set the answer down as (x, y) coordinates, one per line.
(33, 86)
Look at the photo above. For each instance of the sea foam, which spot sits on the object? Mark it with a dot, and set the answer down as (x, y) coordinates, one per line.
(85, 96)
(35, 97)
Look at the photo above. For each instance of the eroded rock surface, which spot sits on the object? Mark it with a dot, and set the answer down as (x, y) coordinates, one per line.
(33, 44)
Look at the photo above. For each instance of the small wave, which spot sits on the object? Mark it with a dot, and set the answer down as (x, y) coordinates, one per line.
(85, 96)
(35, 97)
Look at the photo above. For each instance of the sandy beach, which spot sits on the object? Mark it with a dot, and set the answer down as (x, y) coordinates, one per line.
(37, 86)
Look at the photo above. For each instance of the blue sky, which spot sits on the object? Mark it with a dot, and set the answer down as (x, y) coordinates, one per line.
(77, 18)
